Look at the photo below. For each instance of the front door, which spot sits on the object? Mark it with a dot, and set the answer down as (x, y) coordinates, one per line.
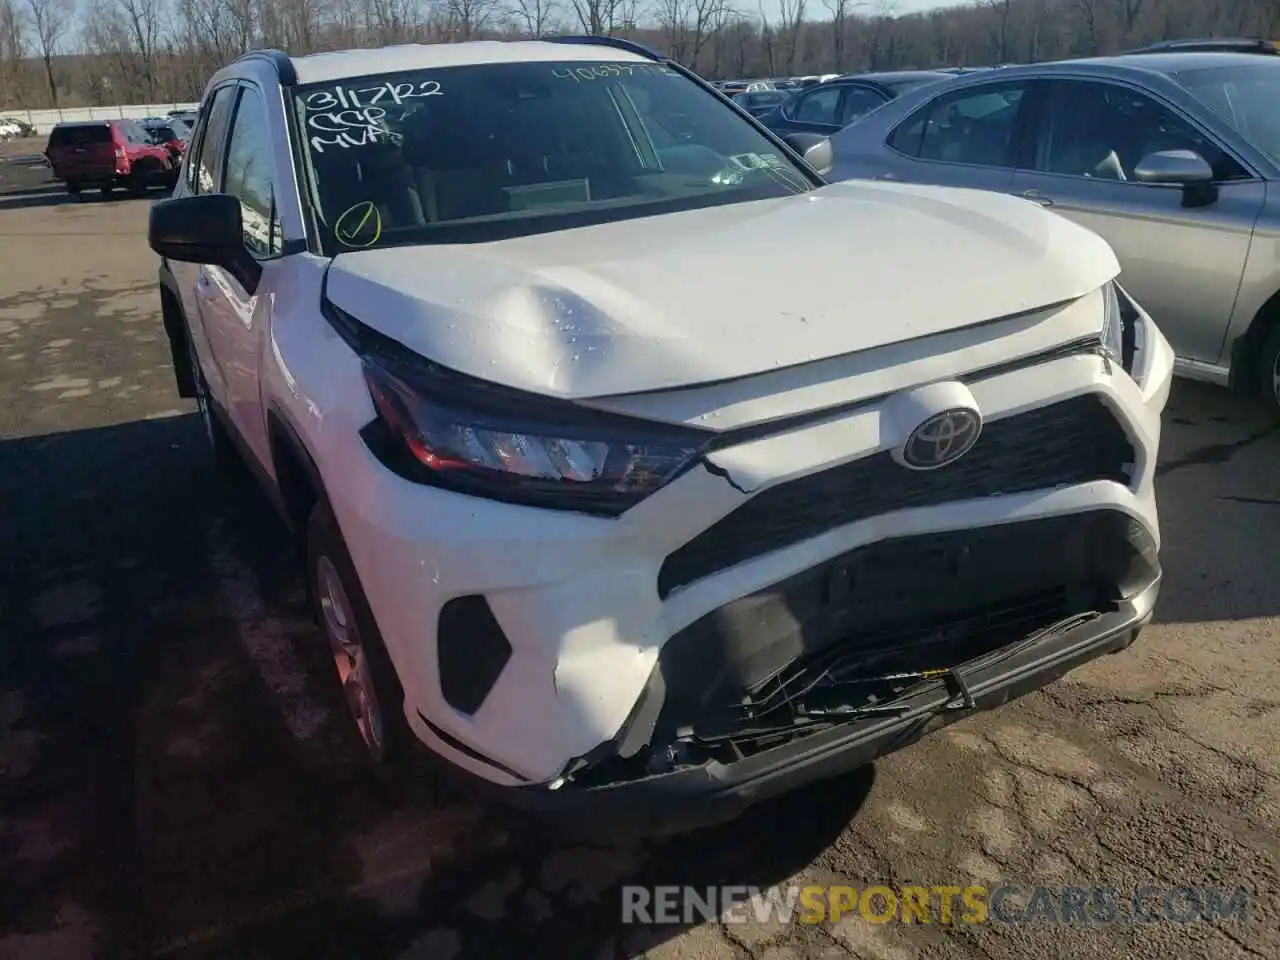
(1182, 263)
(235, 318)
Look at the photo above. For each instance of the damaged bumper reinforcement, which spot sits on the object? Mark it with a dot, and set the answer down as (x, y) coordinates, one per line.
(855, 659)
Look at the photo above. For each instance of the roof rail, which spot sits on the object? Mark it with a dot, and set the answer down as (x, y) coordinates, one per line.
(279, 60)
(618, 43)
(1211, 44)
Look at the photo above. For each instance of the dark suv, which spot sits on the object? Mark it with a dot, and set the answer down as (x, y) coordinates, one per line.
(109, 154)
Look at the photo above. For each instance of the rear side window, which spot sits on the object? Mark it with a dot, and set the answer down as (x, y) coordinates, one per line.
(973, 126)
(79, 136)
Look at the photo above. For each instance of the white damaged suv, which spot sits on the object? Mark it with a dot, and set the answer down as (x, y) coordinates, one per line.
(640, 473)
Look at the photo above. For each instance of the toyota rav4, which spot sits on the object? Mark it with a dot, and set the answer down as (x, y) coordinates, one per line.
(606, 519)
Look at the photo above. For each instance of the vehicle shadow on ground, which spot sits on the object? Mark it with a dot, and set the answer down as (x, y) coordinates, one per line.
(167, 796)
(55, 195)
(149, 777)
(21, 198)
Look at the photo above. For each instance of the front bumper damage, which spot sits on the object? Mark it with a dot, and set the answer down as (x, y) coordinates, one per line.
(854, 659)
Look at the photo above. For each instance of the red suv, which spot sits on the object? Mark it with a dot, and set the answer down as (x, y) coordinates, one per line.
(108, 154)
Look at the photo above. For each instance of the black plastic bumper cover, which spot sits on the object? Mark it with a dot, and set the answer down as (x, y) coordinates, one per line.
(712, 793)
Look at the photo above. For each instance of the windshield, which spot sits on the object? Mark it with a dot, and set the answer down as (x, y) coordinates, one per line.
(1248, 98)
(483, 152)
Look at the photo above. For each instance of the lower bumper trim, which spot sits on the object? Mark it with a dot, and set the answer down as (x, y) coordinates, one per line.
(711, 793)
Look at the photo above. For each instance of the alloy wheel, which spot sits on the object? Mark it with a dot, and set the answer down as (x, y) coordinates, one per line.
(350, 657)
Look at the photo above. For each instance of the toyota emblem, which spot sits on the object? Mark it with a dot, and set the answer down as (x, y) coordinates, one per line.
(943, 438)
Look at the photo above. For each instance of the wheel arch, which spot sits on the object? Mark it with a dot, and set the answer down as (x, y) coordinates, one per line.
(296, 475)
(175, 327)
(1244, 351)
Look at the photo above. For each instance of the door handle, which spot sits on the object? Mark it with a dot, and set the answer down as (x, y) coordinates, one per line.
(1035, 196)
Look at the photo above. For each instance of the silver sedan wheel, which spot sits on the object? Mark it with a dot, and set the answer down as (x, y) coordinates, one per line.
(350, 658)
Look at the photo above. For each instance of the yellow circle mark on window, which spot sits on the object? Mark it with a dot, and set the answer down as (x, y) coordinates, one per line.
(359, 226)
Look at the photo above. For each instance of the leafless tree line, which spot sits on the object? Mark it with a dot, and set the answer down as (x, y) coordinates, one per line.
(94, 52)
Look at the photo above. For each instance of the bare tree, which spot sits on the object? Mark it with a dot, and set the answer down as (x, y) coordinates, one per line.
(49, 20)
(839, 10)
(596, 17)
(533, 16)
(13, 51)
(790, 21)
(673, 21)
(469, 17)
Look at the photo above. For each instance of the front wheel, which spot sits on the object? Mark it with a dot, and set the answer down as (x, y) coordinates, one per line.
(1269, 370)
(367, 680)
(225, 456)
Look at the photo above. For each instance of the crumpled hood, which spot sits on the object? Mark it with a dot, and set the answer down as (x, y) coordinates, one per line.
(723, 292)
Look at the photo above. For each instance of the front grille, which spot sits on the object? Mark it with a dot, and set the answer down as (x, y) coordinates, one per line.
(1071, 442)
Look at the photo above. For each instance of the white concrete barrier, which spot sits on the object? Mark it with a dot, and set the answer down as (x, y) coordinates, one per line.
(44, 120)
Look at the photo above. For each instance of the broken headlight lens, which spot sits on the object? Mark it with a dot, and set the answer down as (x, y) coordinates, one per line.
(1112, 324)
(439, 427)
(1122, 329)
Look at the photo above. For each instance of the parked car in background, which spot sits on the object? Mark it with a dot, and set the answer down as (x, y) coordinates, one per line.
(171, 133)
(590, 505)
(1174, 158)
(1270, 48)
(11, 128)
(760, 102)
(108, 154)
(829, 106)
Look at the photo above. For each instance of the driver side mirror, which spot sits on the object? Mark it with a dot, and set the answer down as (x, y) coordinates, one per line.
(204, 229)
(1183, 168)
(814, 148)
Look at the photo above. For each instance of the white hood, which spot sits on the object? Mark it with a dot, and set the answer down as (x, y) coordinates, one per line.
(724, 292)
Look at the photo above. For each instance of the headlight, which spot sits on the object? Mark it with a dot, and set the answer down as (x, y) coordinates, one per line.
(438, 427)
(1112, 324)
(1122, 333)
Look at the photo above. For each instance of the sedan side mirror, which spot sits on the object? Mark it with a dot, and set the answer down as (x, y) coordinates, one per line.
(204, 229)
(815, 148)
(1184, 168)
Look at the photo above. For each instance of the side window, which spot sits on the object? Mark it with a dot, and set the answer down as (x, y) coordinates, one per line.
(248, 175)
(857, 101)
(969, 126)
(820, 106)
(1103, 130)
(207, 163)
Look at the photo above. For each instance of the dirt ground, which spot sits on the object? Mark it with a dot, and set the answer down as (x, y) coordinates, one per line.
(175, 780)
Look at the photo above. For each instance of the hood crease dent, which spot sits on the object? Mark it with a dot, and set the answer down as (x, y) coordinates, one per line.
(724, 292)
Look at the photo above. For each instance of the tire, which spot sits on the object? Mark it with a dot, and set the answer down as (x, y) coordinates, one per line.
(139, 180)
(1268, 370)
(367, 680)
(226, 457)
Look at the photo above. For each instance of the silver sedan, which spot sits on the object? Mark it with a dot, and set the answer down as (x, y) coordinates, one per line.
(1174, 158)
